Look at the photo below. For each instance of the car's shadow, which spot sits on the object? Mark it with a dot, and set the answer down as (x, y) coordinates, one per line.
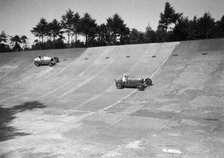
(136, 87)
(7, 115)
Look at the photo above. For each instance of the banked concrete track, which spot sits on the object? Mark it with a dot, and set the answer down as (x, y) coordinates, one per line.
(75, 110)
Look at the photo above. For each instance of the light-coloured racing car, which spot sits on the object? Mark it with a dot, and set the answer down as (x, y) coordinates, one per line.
(133, 82)
(45, 60)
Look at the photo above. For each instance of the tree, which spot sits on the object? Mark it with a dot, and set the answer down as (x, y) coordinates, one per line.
(3, 37)
(193, 27)
(168, 17)
(206, 26)
(150, 35)
(102, 34)
(124, 35)
(115, 26)
(54, 29)
(59, 43)
(16, 41)
(136, 36)
(181, 30)
(202, 28)
(67, 23)
(76, 25)
(220, 27)
(88, 28)
(3, 40)
(24, 41)
(161, 36)
(41, 29)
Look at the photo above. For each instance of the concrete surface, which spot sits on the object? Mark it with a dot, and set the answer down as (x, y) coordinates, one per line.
(74, 109)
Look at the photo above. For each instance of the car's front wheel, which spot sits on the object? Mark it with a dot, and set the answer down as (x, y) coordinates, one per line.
(148, 81)
(140, 87)
(56, 59)
(36, 63)
(51, 64)
(119, 85)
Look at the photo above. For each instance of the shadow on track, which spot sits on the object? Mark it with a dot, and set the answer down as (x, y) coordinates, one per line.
(7, 115)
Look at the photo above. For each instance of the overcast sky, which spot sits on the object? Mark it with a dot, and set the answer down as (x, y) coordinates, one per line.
(18, 17)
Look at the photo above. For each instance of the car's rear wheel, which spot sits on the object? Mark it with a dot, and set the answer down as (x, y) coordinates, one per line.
(51, 64)
(56, 59)
(36, 63)
(119, 85)
(148, 81)
(140, 87)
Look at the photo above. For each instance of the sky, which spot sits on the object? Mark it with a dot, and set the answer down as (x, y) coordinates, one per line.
(18, 17)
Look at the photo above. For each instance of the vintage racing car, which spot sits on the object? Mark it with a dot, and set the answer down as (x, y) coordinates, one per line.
(45, 60)
(133, 82)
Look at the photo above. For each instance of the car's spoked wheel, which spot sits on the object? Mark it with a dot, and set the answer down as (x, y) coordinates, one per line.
(148, 81)
(119, 85)
(56, 59)
(36, 64)
(51, 64)
(140, 87)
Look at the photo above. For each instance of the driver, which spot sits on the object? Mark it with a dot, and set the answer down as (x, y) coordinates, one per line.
(125, 78)
(38, 58)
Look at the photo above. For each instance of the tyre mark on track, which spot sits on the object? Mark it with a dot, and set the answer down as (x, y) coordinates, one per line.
(3, 76)
(78, 78)
(86, 81)
(8, 70)
(122, 99)
(34, 86)
(92, 77)
(43, 72)
(128, 95)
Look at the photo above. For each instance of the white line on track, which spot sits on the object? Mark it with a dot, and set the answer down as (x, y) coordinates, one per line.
(3, 76)
(125, 97)
(66, 83)
(38, 75)
(95, 97)
(68, 65)
(84, 82)
(44, 71)
(88, 80)
(108, 107)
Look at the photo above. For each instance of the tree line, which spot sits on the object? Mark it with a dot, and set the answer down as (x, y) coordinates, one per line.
(72, 26)
(172, 26)
(12, 43)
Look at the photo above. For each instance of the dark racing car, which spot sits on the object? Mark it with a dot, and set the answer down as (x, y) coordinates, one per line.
(132, 82)
(45, 60)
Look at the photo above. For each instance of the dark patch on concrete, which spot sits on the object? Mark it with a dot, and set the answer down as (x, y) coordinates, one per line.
(107, 57)
(175, 55)
(7, 115)
(192, 93)
(86, 59)
(155, 114)
(127, 56)
(62, 112)
(4, 155)
(204, 53)
(210, 45)
(212, 119)
(64, 59)
(153, 56)
(214, 86)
